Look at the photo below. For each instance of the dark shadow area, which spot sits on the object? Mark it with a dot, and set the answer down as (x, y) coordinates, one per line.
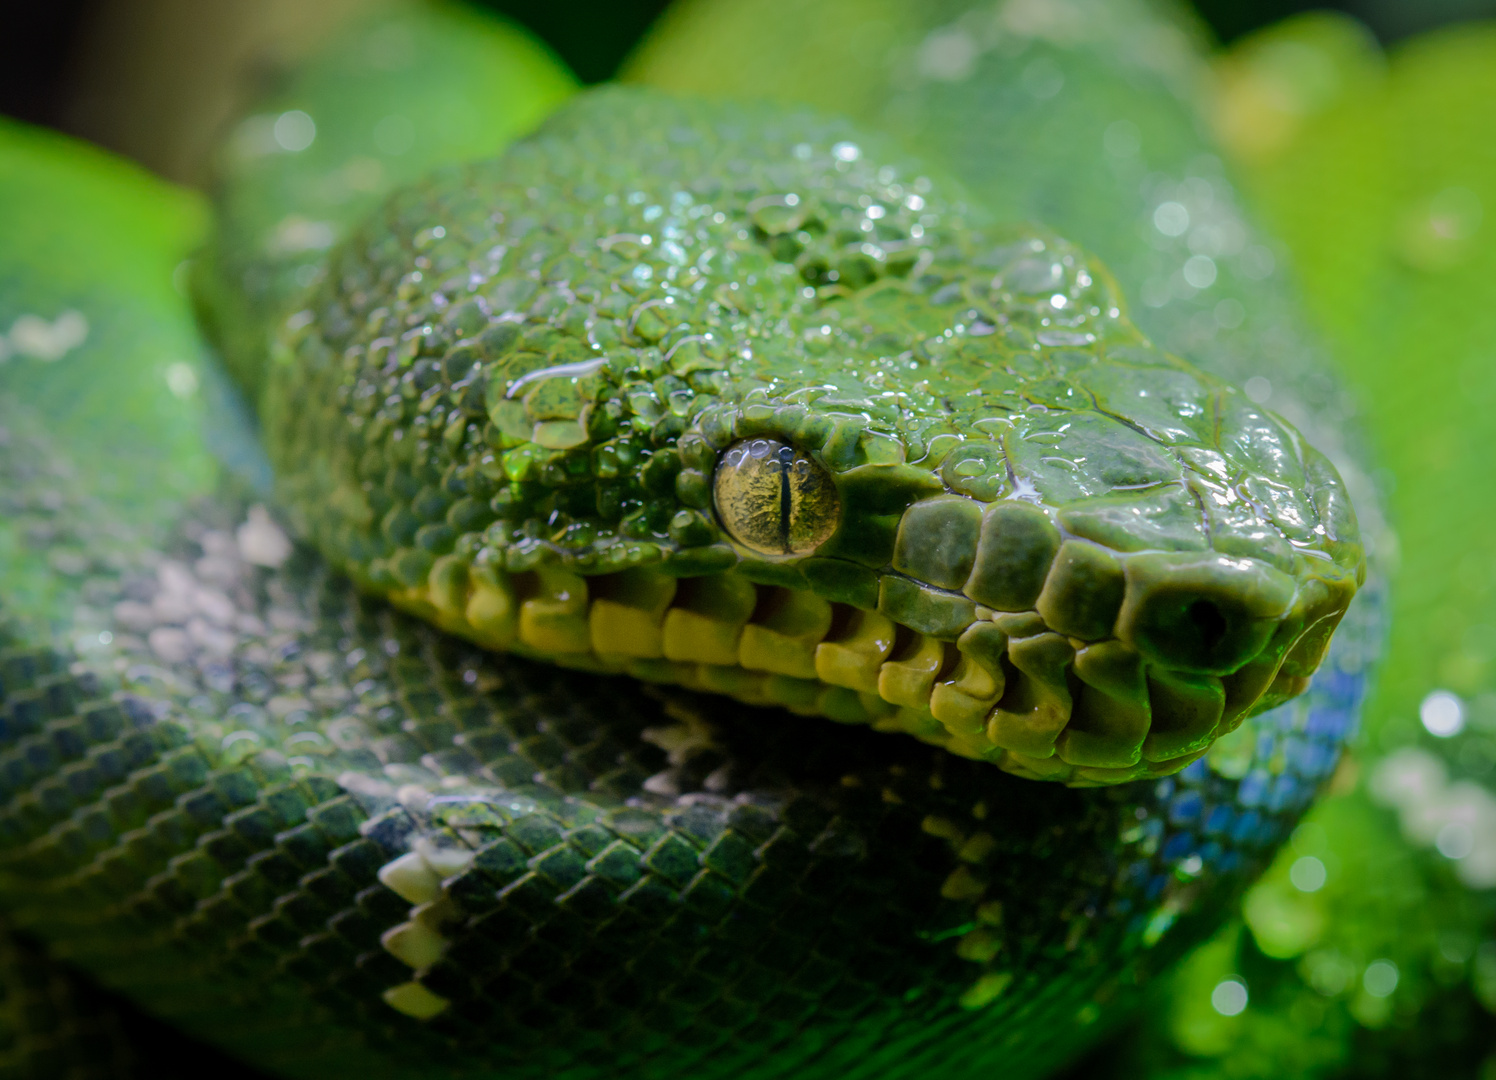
(37, 41)
(162, 1053)
(592, 37)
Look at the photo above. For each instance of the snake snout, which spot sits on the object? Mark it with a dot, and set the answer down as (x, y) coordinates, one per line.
(1074, 659)
(1204, 614)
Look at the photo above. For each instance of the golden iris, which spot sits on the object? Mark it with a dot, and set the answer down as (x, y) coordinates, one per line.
(773, 499)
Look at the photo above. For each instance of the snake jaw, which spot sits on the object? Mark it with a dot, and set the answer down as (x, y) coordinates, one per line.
(1124, 664)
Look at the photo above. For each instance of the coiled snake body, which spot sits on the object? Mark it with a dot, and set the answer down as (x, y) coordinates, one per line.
(661, 397)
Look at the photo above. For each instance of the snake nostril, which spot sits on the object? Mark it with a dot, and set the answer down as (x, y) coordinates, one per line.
(1208, 622)
(1203, 614)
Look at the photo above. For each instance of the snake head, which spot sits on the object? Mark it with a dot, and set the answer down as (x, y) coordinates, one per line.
(732, 398)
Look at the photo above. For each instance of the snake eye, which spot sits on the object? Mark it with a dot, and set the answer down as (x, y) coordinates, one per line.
(773, 499)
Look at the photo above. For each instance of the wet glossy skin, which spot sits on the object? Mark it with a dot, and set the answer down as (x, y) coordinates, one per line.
(340, 844)
(1054, 547)
(527, 871)
(1368, 178)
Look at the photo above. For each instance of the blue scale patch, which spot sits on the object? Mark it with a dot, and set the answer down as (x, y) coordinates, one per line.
(1211, 825)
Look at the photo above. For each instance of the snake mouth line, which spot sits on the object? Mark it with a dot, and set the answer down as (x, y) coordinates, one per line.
(1006, 688)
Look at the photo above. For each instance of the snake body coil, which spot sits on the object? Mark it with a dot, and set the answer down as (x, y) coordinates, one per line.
(339, 842)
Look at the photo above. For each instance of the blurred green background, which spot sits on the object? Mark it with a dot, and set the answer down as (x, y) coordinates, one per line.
(156, 79)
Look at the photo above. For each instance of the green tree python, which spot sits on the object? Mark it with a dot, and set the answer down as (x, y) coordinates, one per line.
(1375, 171)
(751, 614)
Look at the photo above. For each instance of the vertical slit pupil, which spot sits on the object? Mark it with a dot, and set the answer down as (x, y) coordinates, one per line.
(786, 458)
